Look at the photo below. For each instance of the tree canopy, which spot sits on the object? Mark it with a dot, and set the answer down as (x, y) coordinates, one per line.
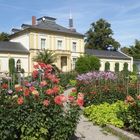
(4, 36)
(99, 36)
(133, 50)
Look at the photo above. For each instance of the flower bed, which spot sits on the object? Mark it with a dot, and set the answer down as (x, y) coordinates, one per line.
(38, 110)
(131, 116)
(99, 87)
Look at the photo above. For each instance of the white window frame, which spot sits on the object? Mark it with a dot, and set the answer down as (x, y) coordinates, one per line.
(73, 63)
(74, 49)
(42, 36)
(41, 45)
(61, 44)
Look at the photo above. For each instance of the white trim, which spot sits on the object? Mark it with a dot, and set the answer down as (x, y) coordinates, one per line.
(42, 36)
(57, 44)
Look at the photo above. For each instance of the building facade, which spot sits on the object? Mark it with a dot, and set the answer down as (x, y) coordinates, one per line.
(13, 50)
(45, 33)
(112, 57)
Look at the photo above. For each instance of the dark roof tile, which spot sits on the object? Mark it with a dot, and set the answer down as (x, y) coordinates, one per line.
(107, 54)
(12, 47)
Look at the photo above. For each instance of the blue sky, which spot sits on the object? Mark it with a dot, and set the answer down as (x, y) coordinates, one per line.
(124, 15)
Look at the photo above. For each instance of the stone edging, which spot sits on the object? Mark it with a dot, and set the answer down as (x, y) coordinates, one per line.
(122, 133)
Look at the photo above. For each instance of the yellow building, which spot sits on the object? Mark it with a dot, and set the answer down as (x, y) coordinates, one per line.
(45, 33)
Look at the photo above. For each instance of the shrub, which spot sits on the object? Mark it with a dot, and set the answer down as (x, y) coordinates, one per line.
(105, 113)
(11, 66)
(135, 69)
(116, 67)
(38, 110)
(130, 117)
(87, 63)
(66, 77)
(125, 69)
(107, 66)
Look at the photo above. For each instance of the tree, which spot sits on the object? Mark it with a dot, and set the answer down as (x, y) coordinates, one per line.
(45, 56)
(99, 36)
(4, 36)
(87, 63)
(133, 50)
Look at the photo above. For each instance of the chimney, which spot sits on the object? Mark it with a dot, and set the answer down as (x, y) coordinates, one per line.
(33, 20)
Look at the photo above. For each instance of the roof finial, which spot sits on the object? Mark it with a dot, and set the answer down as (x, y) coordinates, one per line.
(70, 21)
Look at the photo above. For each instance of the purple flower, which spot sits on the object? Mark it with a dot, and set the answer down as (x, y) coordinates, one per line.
(91, 76)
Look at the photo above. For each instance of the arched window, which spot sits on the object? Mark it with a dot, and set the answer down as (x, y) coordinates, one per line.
(18, 65)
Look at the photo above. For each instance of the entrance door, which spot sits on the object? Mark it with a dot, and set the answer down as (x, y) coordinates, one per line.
(64, 63)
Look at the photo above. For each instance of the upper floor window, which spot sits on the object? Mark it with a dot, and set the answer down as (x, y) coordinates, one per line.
(59, 44)
(74, 46)
(43, 43)
(18, 65)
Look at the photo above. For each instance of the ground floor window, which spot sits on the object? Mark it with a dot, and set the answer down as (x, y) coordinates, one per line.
(73, 62)
(18, 65)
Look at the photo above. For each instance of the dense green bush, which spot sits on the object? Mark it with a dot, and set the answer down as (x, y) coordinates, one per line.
(38, 110)
(66, 77)
(105, 113)
(87, 63)
(135, 69)
(107, 66)
(131, 116)
(125, 69)
(11, 66)
(116, 67)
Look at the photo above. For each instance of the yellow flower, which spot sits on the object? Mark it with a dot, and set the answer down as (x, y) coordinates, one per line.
(17, 85)
(35, 92)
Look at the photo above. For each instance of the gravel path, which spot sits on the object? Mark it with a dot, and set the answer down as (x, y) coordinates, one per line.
(87, 131)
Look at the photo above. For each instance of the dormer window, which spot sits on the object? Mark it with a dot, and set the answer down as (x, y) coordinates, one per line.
(46, 19)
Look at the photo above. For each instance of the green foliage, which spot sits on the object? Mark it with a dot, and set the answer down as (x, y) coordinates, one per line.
(99, 36)
(116, 67)
(73, 83)
(133, 78)
(87, 63)
(133, 50)
(94, 94)
(130, 117)
(32, 112)
(11, 66)
(99, 90)
(45, 56)
(107, 66)
(125, 69)
(135, 69)
(105, 113)
(67, 78)
(4, 36)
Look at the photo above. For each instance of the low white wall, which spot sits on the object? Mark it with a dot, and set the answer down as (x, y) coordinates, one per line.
(112, 64)
(4, 61)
